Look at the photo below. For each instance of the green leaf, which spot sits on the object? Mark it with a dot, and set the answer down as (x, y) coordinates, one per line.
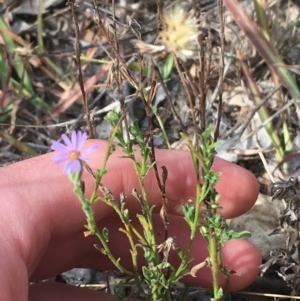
(189, 212)
(143, 222)
(169, 63)
(25, 149)
(220, 294)
(212, 177)
(136, 133)
(230, 234)
(105, 234)
(24, 85)
(126, 216)
(101, 172)
(136, 67)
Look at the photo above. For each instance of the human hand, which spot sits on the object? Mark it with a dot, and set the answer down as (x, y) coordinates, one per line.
(42, 222)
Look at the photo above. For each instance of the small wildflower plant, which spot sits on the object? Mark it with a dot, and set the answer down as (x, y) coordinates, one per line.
(158, 275)
(179, 37)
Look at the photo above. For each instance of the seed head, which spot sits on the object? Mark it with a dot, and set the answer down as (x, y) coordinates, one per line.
(180, 33)
(179, 36)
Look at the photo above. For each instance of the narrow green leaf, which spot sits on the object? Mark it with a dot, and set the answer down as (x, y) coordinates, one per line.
(263, 46)
(256, 96)
(25, 149)
(169, 63)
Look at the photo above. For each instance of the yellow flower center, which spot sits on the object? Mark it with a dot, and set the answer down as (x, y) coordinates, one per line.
(74, 155)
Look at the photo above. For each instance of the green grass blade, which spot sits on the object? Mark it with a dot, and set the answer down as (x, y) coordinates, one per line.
(262, 17)
(257, 98)
(25, 149)
(25, 87)
(263, 46)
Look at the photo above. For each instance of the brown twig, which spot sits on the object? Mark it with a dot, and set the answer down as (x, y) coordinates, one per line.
(175, 113)
(186, 88)
(159, 4)
(221, 70)
(77, 50)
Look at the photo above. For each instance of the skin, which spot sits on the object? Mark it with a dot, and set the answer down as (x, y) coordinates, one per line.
(42, 222)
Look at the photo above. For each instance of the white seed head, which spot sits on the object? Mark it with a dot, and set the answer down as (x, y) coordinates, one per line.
(180, 33)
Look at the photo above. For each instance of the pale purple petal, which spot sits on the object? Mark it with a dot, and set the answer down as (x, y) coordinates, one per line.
(57, 146)
(67, 141)
(60, 158)
(67, 167)
(58, 161)
(64, 152)
(76, 165)
(90, 149)
(80, 140)
(72, 166)
(62, 155)
(74, 140)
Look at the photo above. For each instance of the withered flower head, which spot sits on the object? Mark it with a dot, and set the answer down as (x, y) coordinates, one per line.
(180, 33)
(179, 36)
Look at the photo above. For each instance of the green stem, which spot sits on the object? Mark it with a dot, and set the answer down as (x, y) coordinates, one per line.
(161, 126)
(199, 198)
(93, 229)
(127, 231)
(214, 262)
(101, 172)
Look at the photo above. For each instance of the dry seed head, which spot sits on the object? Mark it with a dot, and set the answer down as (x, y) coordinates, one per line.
(180, 33)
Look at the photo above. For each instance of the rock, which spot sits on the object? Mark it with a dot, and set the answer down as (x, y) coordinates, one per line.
(261, 220)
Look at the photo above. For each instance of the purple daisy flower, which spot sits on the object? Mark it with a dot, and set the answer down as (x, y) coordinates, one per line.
(71, 152)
